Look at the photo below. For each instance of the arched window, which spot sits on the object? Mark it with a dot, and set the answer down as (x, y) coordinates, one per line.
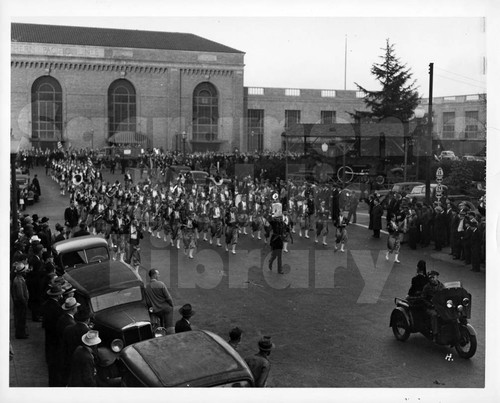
(205, 113)
(121, 107)
(46, 111)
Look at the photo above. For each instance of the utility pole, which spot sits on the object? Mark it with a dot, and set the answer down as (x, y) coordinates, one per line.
(429, 140)
(345, 63)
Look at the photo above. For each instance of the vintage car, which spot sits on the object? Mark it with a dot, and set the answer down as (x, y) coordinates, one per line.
(114, 294)
(197, 358)
(75, 252)
(418, 192)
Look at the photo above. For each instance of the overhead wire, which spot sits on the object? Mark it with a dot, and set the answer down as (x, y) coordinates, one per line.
(463, 82)
(460, 75)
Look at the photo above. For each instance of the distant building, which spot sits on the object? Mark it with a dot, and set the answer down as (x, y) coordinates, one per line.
(92, 87)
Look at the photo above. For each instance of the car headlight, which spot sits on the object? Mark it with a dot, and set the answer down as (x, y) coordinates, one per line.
(460, 308)
(449, 303)
(117, 345)
(466, 301)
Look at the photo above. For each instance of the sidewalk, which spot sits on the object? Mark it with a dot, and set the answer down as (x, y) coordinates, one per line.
(28, 367)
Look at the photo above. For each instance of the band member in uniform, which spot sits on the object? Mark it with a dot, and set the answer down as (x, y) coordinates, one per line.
(287, 233)
(231, 222)
(243, 215)
(322, 222)
(256, 218)
(216, 223)
(189, 226)
(341, 232)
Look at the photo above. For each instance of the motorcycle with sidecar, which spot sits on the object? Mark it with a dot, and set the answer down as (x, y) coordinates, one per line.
(453, 307)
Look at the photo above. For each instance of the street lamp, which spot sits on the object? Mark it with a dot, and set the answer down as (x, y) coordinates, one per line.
(184, 138)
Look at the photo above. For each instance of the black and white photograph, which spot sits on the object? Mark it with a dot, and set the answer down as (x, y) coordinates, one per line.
(289, 196)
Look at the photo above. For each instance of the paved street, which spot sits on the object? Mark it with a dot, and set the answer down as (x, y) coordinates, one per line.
(328, 315)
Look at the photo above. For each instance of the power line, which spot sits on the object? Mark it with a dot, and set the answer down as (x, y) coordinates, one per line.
(460, 75)
(460, 81)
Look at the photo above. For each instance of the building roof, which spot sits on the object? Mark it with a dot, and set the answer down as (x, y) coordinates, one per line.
(116, 38)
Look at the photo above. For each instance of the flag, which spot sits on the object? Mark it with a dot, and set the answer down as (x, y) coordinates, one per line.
(59, 145)
(89, 160)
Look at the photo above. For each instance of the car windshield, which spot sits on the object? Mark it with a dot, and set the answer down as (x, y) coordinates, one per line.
(77, 257)
(116, 298)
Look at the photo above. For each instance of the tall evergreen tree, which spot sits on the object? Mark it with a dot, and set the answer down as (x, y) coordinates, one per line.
(398, 97)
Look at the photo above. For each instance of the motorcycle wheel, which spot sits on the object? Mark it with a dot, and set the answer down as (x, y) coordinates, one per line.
(467, 345)
(400, 327)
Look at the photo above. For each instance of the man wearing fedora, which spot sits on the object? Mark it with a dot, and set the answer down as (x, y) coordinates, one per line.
(72, 338)
(183, 324)
(83, 366)
(51, 311)
(67, 318)
(259, 363)
(20, 295)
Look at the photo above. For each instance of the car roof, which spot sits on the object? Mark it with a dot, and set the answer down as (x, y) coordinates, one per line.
(194, 358)
(79, 243)
(433, 185)
(101, 277)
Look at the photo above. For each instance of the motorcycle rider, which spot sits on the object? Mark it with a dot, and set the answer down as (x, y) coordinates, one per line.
(429, 290)
(419, 281)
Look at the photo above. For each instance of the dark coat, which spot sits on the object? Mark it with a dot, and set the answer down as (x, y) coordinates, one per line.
(377, 213)
(417, 285)
(63, 322)
(83, 369)
(71, 216)
(81, 232)
(72, 338)
(51, 312)
(182, 325)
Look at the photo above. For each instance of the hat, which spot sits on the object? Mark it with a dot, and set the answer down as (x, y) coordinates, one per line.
(433, 273)
(91, 338)
(44, 219)
(421, 266)
(438, 209)
(82, 315)
(186, 311)
(34, 217)
(106, 357)
(35, 238)
(235, 333)
(55, 290)
(19, 267)
(59, 227)
(265, 343)
(275, 196)
(70, 303)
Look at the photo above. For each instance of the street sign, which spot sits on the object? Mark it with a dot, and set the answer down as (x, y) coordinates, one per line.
(439, 190)
(439, 173)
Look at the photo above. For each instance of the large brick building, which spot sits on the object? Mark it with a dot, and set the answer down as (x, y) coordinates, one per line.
(91, 87)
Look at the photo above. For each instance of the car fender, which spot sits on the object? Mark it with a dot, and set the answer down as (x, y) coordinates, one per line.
(471, 330)
(403, 311)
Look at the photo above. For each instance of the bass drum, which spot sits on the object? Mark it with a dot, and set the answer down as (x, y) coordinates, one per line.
(467, 345)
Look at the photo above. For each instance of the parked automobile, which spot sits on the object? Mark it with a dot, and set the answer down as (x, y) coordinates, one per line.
(199, 177)
(114, 294)
(448, 155)
(404, 187)
(418, 192)
(189, 359)
(23, 181)
(76, 252)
